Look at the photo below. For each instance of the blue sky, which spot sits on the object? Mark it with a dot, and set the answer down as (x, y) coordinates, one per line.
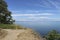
(34, 10)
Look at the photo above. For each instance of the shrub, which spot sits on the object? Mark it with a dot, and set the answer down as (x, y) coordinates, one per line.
(53, 35)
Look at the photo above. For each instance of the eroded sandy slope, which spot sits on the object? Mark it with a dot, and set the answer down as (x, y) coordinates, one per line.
(20, 35)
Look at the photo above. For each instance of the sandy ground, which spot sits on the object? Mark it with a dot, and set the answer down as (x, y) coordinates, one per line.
(12, 35)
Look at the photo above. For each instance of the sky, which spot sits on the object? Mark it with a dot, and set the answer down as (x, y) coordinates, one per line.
(34, 10)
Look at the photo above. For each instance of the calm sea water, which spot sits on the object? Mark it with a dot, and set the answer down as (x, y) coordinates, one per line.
(41, 27)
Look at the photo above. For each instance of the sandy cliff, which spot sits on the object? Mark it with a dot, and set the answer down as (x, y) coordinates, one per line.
(21, 34)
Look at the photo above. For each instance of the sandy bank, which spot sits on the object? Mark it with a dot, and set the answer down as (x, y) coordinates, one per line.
(20, 35)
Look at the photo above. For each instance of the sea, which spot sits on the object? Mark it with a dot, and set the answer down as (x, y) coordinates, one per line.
(41, 27)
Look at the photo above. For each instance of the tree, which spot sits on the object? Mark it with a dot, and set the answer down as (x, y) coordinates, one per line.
(53, 35)
(5, 14)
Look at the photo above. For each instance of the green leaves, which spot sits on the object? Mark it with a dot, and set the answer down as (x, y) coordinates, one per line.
(5, 13)
(53, 35)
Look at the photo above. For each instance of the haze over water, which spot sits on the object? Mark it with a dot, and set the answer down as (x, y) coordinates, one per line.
(41, 27)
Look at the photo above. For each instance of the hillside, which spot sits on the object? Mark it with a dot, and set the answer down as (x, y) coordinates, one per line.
(20, 34)
(11, 26)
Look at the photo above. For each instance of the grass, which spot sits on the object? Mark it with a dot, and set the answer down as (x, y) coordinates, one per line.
(10, 26)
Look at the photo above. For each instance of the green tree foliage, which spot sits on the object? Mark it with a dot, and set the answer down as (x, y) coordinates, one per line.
(53, 35)
(5, 14)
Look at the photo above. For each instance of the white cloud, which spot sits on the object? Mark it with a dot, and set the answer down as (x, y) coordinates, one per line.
(33, 15)
(55, 3)
(31, 19)
(25, 11)
(37, 19)
(45, 4)
(40, 12)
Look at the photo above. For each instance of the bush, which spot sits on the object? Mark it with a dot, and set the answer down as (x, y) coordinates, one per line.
(53, 35)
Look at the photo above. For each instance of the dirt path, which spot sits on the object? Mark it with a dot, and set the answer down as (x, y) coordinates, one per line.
(12, 34)
(21, 35)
